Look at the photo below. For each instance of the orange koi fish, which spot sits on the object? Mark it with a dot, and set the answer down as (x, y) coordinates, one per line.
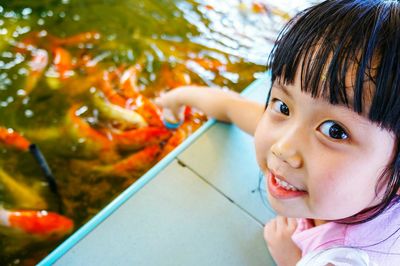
(148, 110)
(177, 138)
(129, 167)
(129, 97)
(136, 162)
(62, 62)
(10, 138)
(40, 223)
(95, 142)
(134, 99)
(128, 81)
(174, 77)
(106, 87)
(138, 138)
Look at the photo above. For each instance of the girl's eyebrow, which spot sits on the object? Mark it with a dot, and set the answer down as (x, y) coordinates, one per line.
(284, 89)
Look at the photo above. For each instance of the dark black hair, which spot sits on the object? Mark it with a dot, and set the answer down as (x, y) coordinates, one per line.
(361, 37)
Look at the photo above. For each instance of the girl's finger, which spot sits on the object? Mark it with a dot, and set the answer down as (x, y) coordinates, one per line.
(292, 224)
(269, 229)
(158, 101)
(270, 225)
(281, 223)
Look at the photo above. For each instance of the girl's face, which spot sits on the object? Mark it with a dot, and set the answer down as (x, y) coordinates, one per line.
(321, 161)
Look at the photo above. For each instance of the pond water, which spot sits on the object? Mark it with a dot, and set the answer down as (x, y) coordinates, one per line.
(78, 79)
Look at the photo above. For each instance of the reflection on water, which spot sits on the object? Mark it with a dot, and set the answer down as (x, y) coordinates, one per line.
(78, 78)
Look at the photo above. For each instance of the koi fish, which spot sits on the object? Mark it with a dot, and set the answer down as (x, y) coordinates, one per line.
(128, 167)
(10, 138)
(138, 138)
(39, 223)
(129, 96)
(177, 138)
(106, 87)
(149, 111)
(128, 81)
(137, 162)
(143, 106)
(63, 62)
(24, 196)
(93, 141)
(125, 118)
(173, 78)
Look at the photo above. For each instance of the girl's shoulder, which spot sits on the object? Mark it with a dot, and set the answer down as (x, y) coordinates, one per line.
(378, 240)
(379, 237)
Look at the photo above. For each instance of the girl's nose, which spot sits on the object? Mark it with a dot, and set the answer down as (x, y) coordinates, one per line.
(287, 152)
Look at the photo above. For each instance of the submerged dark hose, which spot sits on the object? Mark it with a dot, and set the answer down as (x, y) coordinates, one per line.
(48, 175)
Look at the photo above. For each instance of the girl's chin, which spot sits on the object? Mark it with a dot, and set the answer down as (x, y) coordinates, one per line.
(285, 208)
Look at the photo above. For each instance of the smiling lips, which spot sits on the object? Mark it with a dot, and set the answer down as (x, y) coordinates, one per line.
(280, 189)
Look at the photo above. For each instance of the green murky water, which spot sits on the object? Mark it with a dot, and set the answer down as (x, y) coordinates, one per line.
(54, 56)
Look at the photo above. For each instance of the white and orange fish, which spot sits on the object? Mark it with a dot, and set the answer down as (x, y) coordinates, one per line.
(38, 223)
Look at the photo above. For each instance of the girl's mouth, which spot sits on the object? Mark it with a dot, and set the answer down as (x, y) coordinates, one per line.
(281, 189)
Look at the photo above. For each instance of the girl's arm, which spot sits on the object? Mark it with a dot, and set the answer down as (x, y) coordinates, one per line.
(224, 106)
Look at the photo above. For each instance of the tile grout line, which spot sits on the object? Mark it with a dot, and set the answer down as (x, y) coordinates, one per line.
(181, 163)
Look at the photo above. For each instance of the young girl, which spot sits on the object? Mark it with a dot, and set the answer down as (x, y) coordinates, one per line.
(328, 140)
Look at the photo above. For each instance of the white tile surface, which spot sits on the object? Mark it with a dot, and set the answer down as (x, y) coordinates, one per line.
(176, 219)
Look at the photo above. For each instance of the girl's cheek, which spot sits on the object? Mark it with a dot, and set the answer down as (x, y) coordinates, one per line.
(260, 156)
(262, 139)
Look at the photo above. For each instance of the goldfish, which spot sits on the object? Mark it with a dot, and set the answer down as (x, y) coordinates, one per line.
(93, 141)
(128, 95)
(138, 138)
(39, 223)
(124, 117)
(136, 162)
(130, 166)
(10, 138)
(62, 62)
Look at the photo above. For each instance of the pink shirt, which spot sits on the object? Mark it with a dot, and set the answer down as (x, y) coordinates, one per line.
(379, 238)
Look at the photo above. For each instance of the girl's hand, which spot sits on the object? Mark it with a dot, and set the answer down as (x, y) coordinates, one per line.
(278, 235)
(171, 104)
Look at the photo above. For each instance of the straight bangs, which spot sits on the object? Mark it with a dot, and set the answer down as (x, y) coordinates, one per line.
(347, 52)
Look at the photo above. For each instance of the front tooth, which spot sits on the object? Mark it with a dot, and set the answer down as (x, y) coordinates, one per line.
(285, 185)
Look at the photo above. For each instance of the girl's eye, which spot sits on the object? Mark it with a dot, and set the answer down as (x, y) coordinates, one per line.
(280, 107)
(333, 130)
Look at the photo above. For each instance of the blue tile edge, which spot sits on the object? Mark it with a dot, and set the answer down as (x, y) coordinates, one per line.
(131, 190)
